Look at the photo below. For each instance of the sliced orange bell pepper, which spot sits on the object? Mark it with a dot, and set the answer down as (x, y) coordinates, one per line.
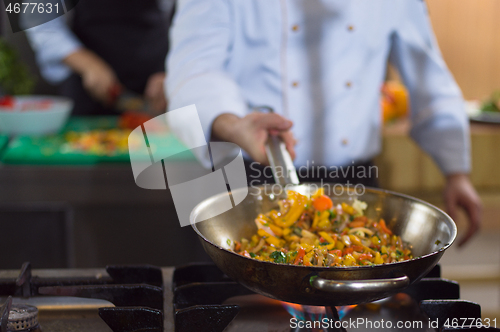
(384, 227)
(300, 256)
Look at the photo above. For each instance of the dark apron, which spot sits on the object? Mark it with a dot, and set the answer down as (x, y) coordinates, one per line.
(131, 36)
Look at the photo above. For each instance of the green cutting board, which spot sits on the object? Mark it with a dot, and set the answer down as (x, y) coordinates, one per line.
(53, 149)
(3, 143)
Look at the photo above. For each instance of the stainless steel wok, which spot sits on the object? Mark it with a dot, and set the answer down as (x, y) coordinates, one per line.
(429, 230)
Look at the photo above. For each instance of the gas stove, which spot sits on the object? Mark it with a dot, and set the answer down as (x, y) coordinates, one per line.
(199, 297)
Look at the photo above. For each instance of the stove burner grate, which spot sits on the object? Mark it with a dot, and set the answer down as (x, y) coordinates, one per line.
(200, 290)
(136, 291)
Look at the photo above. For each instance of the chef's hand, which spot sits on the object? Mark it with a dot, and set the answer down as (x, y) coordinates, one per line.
(155, 93)
(460, 192)
(251, 132)
(98, 77)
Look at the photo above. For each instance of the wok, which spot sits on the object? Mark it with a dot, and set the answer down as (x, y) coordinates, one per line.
(426, 228)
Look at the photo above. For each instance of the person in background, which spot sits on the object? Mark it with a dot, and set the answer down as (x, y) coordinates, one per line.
(107, 45)
(320, 65)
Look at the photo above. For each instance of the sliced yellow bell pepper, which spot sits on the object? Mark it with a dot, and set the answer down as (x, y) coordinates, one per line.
(327, 237)
(255, 240)
(317, 217)
(355, 240)
(273, 240)
(308, 256)
(349, 260)
(299, 202)
(378, 259)
(318, 193)
(347, 208)
(262, 232)
(274, 215)
(278, 231)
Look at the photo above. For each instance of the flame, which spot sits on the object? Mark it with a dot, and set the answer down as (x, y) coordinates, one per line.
(343, 310)
(313, 313)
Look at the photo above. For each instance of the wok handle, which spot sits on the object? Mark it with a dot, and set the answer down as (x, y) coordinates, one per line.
(374, 285)
(281, 163)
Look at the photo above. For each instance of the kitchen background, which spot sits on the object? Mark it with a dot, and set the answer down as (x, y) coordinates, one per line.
(94, 214)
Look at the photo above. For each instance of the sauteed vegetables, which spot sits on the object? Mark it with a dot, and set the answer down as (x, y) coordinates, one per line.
(315, 232)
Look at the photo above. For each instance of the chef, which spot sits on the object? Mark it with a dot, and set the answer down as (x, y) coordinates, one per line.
(111, 45)
(320, 64)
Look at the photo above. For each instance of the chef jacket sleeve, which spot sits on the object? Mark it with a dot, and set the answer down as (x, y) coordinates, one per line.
(200, 48)
(439, 121)
(52, 42)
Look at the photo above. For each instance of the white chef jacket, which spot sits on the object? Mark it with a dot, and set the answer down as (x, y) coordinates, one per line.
(319, 63)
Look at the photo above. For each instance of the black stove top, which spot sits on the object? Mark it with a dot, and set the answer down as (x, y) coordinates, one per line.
(199, 297)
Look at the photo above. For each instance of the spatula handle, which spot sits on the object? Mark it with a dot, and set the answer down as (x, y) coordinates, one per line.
(281, 163)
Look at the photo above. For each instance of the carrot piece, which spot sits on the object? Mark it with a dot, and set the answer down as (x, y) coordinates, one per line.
(347, 251)
(300, 256)
(357, 248)
(354, 224)
(245, 253)
(361, 218)
(237, 246)
(322, 203)
(336, 252)
(384, 227)
(365, 256)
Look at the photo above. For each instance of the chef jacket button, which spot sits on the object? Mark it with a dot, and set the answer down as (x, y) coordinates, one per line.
(348, 84)
(350, 27)
(345, 141)
(295, 84)
(295, 28)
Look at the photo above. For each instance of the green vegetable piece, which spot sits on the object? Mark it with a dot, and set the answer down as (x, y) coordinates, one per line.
(492, 104)
(15, 78)
(298, 231)
(228, 242)
(252, 255)
(290, 256)
(278, 256)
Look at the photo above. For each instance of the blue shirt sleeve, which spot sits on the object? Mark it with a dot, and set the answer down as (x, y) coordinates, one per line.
(439, 122)
(52, 42)
(200, 47)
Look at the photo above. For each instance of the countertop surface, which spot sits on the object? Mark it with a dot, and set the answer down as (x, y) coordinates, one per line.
(56, 150)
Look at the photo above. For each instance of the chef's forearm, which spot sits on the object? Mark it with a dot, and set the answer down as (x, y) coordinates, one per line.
(98, 78)
(52, 42)
(82, 60)
(223, 127)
